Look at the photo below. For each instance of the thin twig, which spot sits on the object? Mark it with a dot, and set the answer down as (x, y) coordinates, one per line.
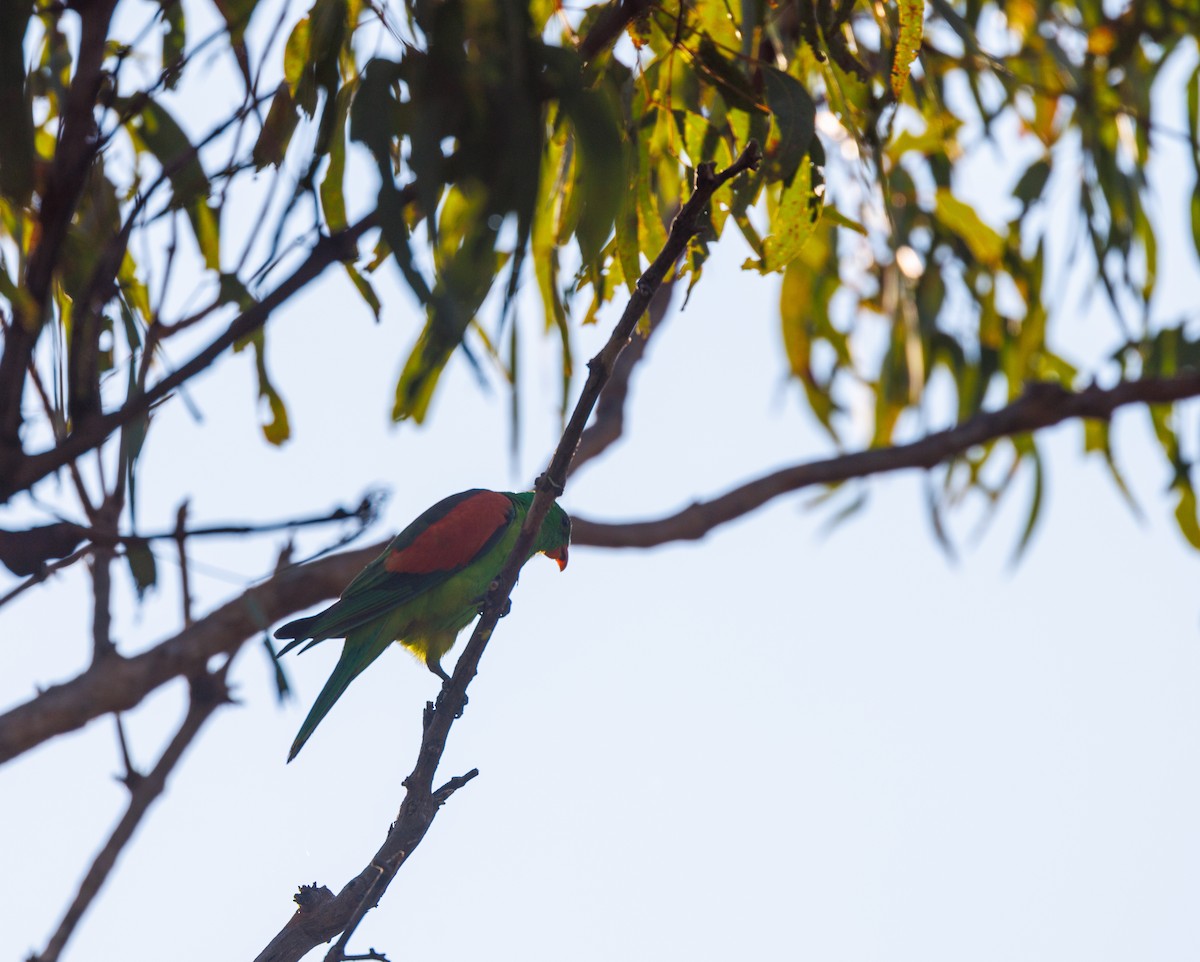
(181, 547)
(326, 251)
(609, 423)
(208, 692)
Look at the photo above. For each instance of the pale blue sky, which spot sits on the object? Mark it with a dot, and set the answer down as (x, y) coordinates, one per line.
(770, 744)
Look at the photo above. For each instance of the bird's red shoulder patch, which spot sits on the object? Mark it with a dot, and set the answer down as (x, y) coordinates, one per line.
(454, 539)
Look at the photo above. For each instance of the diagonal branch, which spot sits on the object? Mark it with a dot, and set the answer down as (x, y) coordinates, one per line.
(1042, 405)
(609, 423)
(208, 693)
(327, 917)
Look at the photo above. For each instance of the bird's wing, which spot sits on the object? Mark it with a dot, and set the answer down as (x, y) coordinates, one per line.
(438, 544)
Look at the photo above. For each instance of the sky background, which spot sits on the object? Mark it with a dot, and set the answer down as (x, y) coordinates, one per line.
(779, 742)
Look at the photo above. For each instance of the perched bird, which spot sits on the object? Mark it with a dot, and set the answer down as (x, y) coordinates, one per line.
(427, 586)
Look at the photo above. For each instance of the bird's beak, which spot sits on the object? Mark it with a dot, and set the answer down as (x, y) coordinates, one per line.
(559, 556)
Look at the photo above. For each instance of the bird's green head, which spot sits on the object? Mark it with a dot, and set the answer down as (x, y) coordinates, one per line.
(555, 533)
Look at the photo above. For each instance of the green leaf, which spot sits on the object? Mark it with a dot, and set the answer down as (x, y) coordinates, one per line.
(544, 240)
(333, 201)
(233, 291)
(174, 41)
(1035, 503)
(985, 244)
(792, 223)
(628, 247)
(295, 54)
(206, 227)
(912, 26)
(726, 76)
(1196, 215)
(155, 129)
(237, 15)
(1032, 183)
(141, 565)
(794, 114)
(364, 288)
(277, 129)
(1096, 439)
(1185, 509)
(275, 428)
(600, 171)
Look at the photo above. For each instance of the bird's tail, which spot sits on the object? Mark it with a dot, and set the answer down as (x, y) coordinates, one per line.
(358, 651)
(298, 630)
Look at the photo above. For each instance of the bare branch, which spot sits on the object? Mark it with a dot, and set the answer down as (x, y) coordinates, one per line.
(208, 692)
(117, 683)
(609, 424)
(1043, 404)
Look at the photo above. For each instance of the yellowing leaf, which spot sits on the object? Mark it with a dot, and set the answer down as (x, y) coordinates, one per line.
(985, 244)
(912, 27)
(792, 223)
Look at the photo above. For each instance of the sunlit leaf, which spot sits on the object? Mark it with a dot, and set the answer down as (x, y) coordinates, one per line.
(912, 26)
(985, 244)
(792, 223)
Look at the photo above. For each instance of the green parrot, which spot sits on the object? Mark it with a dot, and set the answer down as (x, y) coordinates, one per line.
(427, 586)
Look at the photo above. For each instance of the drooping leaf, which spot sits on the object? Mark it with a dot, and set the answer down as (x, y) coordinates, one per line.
(364, 288)
(141, 565)
(1035, 502)
(275, 426)
(333, 200)
(793, 114)
(174, 41)
(985, 244)
(792, 222)
(1185, 509)
(277, 129)
(912, 27)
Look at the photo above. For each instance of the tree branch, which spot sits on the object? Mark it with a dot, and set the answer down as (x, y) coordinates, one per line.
(77, 146)
(328, 250)
(1043, 404)
(327, 917)
(208, 693)
(117, 683)
(609, 423)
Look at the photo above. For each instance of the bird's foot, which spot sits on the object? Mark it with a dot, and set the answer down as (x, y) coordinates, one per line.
(441, 698)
